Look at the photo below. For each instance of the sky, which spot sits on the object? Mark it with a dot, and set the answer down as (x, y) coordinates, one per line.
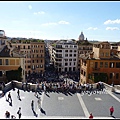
(55, 20)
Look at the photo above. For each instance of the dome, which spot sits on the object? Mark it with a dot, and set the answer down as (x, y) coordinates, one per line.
(81, 36)
(2, 33)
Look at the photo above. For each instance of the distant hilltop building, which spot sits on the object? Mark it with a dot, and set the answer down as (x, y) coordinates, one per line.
(81, 36)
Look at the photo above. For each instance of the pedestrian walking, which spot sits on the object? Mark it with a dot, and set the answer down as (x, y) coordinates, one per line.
(9, 97)
(111, 110)
(18, 92)
(32, 105)
(39, 103)
(44, 88)
(19, 113)
(91, 116)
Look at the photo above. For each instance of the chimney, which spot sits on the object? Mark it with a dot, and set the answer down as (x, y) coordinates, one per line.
(91, 54)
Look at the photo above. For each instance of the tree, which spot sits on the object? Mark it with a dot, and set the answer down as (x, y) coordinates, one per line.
(14, 74)
(103, 77)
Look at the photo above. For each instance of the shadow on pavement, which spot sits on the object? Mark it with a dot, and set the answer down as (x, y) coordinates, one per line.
(42, 111)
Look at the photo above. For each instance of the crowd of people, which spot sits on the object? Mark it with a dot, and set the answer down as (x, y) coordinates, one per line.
(51, 76)
(60, 82)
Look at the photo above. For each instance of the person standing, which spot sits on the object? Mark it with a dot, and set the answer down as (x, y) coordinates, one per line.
(9, 97)
(32, 105)
(19, 113)
(7, 114)
(18, 92)
(91, 116)
(111, 110)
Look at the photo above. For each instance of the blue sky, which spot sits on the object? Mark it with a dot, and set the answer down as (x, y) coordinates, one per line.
(61, 20)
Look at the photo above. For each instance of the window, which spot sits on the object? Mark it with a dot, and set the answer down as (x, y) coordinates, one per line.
(74, 59)
(6, 62)
(91, 64)
(66, 59)
(117, 75)
(102, 54)
(66, 46)
(101, 64)
(33, 67)
(111, 64)
(28, 47)
(66, 55)
(41, 66)
(107, 54)
(37, 66)
(106, 64)
(74, 55)
(29, 66)
(84, 73)
(18, 47)
(66, 64)
(81, 71)
(117, 64)
(111, 74)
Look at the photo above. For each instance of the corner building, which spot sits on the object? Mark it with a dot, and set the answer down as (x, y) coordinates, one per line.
(100, 65)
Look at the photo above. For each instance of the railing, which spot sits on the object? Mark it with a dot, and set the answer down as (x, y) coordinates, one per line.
(32, 87)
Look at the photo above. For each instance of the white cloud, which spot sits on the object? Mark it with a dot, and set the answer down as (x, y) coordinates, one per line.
(29, 6)
(112, 28)
(48, 24)
(63, 22)
(117, 21)
(55, 23)
(92, 28)
(39, 13)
